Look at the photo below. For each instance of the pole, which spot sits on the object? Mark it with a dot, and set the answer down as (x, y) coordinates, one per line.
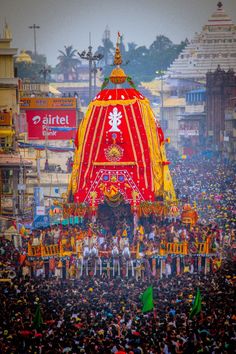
(90, 72)
(160, 74)
(21, 191)
(94, 84)
(35, 51)
(0, 192)
(46, 144)
(38, 156)
(162, 103)
(34, 27)
(91, 58)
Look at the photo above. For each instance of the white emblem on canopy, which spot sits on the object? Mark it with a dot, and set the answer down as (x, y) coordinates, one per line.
(115, 120)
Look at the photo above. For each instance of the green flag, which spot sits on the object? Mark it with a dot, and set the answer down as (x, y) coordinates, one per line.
(38, 320)
(197, 305)
(147, 299)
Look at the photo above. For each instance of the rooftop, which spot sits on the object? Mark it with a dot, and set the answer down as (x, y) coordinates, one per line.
(214, 45)
(13, 160)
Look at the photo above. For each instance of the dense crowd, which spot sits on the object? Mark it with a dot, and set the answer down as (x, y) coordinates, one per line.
(97, 315)
(101, 315)
(207, 184)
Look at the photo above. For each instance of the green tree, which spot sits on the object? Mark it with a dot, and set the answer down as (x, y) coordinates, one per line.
(106, 50)
(68, 63)
(31, 71)
(137, 62)
(141, 63)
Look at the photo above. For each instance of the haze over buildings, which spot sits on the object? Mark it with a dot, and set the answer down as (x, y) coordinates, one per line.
(69, 22)
(213, 46)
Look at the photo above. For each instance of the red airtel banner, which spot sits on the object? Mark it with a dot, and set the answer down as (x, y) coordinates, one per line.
(51, 124)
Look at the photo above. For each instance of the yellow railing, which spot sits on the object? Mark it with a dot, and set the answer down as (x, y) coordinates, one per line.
(34, 251)
(176, 248)
(51, 250)
(201, 247)
(183, 248)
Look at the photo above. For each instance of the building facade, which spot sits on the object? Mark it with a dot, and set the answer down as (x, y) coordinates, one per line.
(230, 130)
(214, 47)
(220, 96)
(192, 123)
(13, 167)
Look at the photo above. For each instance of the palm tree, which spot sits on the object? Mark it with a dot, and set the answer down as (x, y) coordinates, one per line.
(68, 63)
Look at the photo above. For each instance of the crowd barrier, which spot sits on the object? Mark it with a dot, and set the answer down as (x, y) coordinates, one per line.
(166, 248)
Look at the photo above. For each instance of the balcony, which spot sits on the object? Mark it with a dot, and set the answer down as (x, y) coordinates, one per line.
(200, 108)
(38, 89)
(189, 132)
(230, 115)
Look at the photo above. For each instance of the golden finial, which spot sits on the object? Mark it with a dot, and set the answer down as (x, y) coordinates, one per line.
(118, 75)
(118, 58)
(7, 34)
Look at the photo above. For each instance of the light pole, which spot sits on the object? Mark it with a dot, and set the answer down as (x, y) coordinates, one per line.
(160, 74)
(95, 71)
(44, 72)
(92, 58)
(34, 27)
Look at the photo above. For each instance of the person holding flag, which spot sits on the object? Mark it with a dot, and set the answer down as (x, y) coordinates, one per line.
(38, 320)
(147, 300)
(197, 305)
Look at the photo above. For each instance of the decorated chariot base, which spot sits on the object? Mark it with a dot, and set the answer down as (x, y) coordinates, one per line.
(85, 253)
(120, 164)
(120, 157)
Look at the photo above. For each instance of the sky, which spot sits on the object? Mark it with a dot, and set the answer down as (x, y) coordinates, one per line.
(68, 22)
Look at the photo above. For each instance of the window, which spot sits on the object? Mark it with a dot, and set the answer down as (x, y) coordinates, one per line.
(5, 142)
(7, 182)
(2, 142)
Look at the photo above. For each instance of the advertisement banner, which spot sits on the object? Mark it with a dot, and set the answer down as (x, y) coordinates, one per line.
(38, 200)
(5, 118)
(41, 221)
(47, 103)
(40, 210)
(51, 124)
(189, 132)
(20, 123)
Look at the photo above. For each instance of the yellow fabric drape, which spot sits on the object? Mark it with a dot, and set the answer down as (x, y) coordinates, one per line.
(162, 181)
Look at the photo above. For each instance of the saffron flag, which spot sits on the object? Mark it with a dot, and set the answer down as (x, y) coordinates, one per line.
(147, 299)
(38, 320)
(197, 304)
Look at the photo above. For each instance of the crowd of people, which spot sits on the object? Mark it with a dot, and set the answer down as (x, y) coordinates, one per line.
(101, 315)
(207, 184)
(104, 315)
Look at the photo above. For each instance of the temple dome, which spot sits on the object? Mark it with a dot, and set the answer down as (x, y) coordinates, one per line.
(24, 57)
(120, 149)
(219, 17)
(215, 45)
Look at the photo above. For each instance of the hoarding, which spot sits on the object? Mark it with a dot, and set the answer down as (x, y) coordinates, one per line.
(41, 221)
(51, 124)
(5, 118)
(47, 103)
(38, 199)
(189, 132)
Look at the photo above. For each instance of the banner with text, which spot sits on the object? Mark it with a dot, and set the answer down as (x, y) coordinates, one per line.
(51, 124)
(47, 103)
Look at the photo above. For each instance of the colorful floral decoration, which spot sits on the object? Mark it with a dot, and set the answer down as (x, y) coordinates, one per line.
(119, 137)
(114, 152)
